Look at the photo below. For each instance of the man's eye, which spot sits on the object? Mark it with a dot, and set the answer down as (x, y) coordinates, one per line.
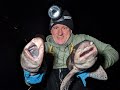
(64, 27)
(55, 27)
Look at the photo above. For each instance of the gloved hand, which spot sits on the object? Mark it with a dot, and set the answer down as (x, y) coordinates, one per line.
(32, 55)
(83, 76)
(32, 79)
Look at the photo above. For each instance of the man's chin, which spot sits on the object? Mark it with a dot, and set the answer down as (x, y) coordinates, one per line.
(60, 42)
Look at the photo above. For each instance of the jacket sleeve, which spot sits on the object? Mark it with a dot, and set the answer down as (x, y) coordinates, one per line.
(109, 53)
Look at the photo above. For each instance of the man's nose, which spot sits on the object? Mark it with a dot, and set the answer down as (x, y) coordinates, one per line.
(60, 32)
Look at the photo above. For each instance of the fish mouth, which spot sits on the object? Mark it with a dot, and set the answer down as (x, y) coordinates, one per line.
(33, 50)
(86, 51)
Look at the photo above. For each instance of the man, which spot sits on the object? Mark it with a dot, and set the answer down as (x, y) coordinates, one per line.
(60, 43)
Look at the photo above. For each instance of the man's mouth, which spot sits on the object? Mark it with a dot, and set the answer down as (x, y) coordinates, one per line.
(60, 36)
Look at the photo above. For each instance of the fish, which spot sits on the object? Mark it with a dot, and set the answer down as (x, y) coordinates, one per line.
(83, 57)
(32, 55)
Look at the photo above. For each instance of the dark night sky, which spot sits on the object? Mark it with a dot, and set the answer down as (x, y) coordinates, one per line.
(21, 21)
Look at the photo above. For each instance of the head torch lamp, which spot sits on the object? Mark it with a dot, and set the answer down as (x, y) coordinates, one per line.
(54, 12)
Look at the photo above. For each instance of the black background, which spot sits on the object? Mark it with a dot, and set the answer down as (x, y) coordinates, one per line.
(20, 21)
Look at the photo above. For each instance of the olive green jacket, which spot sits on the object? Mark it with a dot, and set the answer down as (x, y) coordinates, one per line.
(61, 52)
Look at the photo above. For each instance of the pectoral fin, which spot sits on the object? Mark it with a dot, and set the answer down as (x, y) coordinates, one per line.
(99, 74)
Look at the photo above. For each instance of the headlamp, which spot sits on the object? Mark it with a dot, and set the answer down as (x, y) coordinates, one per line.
(54, 12)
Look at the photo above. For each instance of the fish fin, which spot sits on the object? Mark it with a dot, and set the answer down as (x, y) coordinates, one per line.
(99, 74)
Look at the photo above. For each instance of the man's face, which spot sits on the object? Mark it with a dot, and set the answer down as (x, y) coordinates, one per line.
(60, 33)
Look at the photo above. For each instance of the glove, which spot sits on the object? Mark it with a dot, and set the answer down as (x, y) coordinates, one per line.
(32, 79)
(32, 55)
(83, 76)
